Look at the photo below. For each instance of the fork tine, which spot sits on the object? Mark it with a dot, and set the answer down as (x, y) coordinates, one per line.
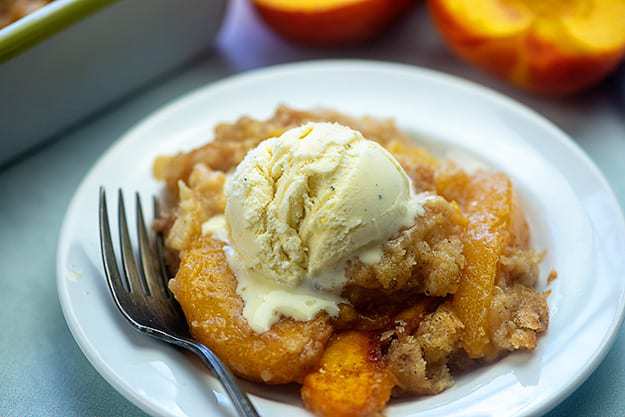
(111, 271)
(135, 281)
(149, 262)
(160, 249)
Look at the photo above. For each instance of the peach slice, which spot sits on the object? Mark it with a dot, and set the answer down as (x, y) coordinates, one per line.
(205, 287)
(487, 201)
(330, 22)
(352, 381)
(546, 46)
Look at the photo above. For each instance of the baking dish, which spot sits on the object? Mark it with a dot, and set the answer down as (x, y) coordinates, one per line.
(71, 57)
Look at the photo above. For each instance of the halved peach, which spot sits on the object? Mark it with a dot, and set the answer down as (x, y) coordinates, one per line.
(546, 46)
(330, 22)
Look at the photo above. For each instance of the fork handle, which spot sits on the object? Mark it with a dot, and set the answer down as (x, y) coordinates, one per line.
(239, 399)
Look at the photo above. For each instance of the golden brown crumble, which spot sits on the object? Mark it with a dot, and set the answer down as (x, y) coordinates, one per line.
(518, 314)
(519, 265)
(231, 141)
(419, 361)
(427, 256)
(201, 199)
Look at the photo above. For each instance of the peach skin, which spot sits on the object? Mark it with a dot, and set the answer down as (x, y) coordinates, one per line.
(330, 22)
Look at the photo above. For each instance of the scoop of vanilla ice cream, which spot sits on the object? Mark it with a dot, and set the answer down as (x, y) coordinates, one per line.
(299, 204)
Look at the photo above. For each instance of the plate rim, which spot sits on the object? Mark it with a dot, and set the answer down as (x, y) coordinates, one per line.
(453, 81)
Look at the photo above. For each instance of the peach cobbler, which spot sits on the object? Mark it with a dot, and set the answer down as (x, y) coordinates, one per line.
(331, 251)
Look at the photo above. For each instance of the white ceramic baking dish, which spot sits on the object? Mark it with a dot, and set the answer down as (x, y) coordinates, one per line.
(71, 57)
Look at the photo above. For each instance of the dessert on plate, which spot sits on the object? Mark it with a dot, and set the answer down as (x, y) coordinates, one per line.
(333, 252)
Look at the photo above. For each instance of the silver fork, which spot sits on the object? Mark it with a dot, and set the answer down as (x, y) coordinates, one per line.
(142, 296)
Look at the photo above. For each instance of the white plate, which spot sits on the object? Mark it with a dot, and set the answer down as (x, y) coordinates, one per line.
(572, 212)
